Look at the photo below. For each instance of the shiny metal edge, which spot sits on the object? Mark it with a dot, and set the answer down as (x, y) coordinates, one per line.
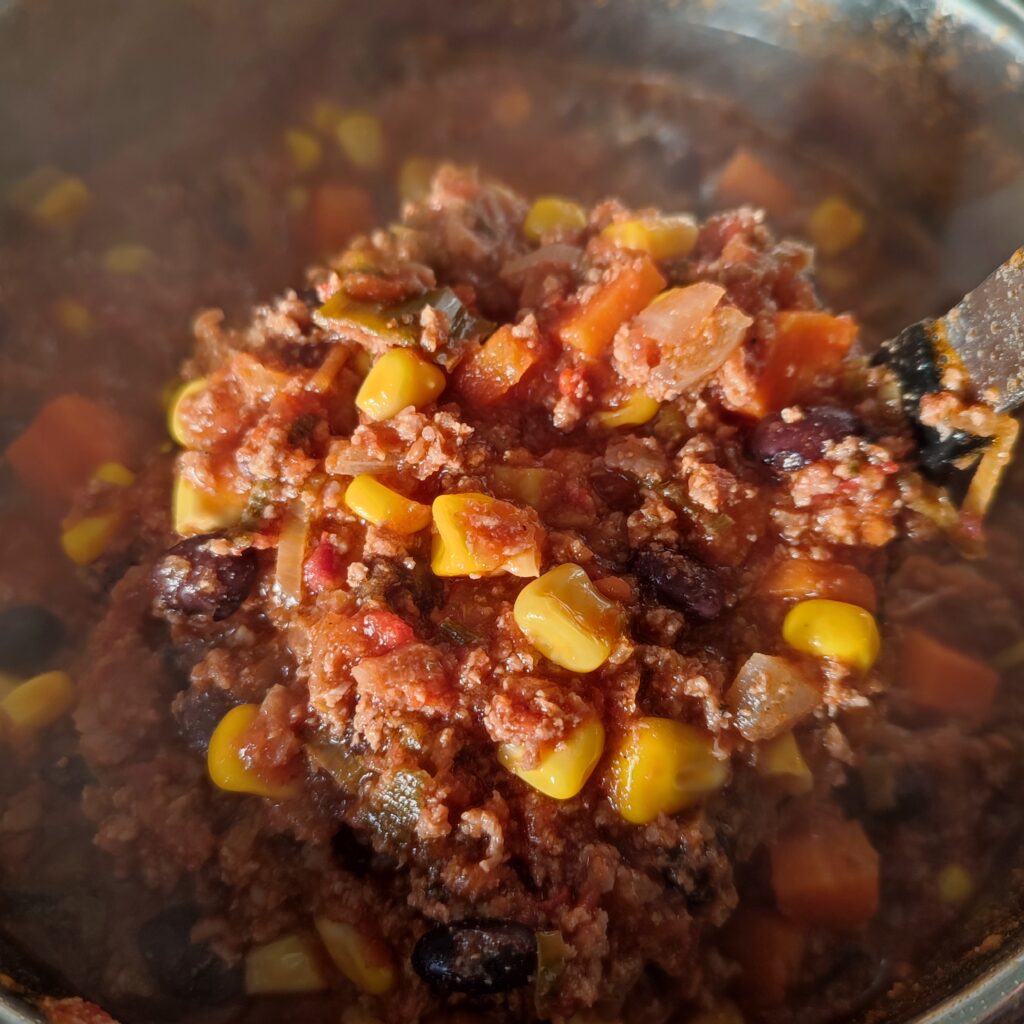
(995, 997)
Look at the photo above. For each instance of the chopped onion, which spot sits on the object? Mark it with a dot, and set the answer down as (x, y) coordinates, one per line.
(558, 254)
(769, 696)
(679, 340)
(291, 554)
(322, 380)
(677, 317)
(344, 466)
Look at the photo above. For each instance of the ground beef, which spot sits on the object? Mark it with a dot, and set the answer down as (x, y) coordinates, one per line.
(417, 755)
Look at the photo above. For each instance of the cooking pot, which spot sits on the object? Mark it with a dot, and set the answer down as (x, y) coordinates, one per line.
(921, 102)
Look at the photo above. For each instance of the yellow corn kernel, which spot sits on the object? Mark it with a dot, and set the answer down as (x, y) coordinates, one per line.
(454, 555)
(361, 137)
(224, 756)
(377, 504)
(398, 379)
(414, 178)
(834, 225)
(303, 149)
(7, 684)
(196, 511)
(662, 238)
(324, 116)
(662, 767)
(568, 619)
(114, 473)
(127, 258)
(955, 884)
(637, 410)
(833, 629)
(781, 759)
(60, 206)
(287, 965)
(73, 318)
(562, 773)
(296, 198)
(40, 701)
(529, 485)
(175, 427)
(85, 540)
(552, 214)
(364, 961)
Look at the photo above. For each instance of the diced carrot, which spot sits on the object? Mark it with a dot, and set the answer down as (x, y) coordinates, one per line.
(590, 326)
(337, 213)
(803, 578)
(746, 179)
(491, 370)
(60, 449)
(942, 679)
(805, 347)
(768, 949)
(826, 875)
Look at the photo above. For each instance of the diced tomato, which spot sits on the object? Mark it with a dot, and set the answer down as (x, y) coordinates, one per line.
(768, 949)
(496, 366)
(942, 679)
(806, 348)
(826, 874)
(387, 630)
(336, 214)
(590, 326)
(62, 447)
(324, 568)
(803, 578)
(572, 381)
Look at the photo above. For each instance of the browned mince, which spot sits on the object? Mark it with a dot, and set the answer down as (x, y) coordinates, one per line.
(384, 689)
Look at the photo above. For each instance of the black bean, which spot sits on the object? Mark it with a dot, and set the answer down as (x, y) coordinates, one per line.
(476, 957)
(198, 712)
(618, 489)
(789, 446)
(29, 637)
(195, 580)
(190, 971)
(681, 581)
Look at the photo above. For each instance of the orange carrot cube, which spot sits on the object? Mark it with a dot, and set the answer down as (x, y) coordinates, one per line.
(591, 325)
(768, 949)
(58, 452)
(491, 370)
(337, 213)
(746, 179)
(826, 875)
(942, 679)
(807, 347)
(803, 578)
